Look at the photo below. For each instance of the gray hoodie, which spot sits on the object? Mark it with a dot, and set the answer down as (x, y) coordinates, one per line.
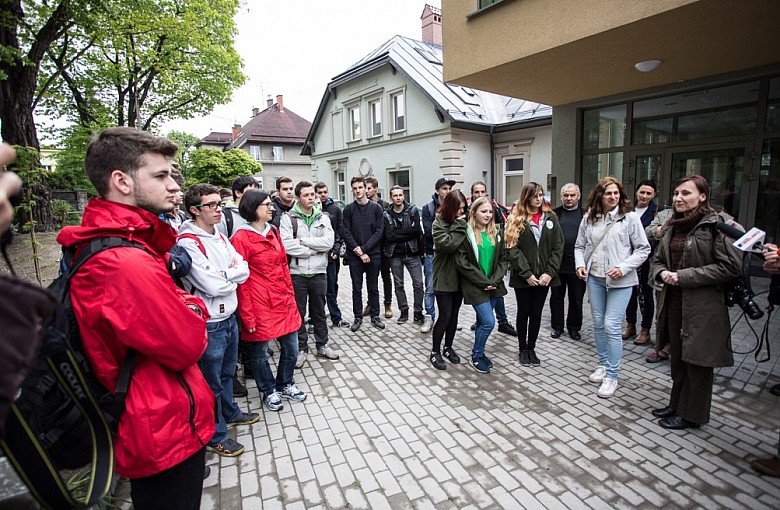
(214, 276)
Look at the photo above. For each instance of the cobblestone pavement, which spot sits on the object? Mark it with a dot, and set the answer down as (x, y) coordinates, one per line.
(382, 429)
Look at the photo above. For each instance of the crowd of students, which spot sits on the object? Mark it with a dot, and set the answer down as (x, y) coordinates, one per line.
(261, 264)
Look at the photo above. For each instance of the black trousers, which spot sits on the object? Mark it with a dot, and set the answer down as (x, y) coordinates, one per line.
(691, 384)
(648, 305)
(356, 271)
(387, 282)
(312, 291)
(176, 488)
(576, 288)
(447, 321)
(530, 305)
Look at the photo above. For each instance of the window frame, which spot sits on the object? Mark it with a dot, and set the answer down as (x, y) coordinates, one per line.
(280, 151)
(394, 110)
(255, 151)
(354, 133)
(374, 117)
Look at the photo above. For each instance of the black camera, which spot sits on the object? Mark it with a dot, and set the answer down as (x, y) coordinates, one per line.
(736, 293)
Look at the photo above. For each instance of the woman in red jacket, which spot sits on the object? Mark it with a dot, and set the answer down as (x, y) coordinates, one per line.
(266, 301)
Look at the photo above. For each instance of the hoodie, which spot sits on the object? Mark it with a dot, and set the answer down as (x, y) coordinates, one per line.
(308, 250)
(215, 275)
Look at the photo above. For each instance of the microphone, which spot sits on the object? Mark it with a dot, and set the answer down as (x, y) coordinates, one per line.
(738, 234)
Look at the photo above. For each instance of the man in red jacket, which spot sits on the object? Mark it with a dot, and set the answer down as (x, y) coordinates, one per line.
(123, 298)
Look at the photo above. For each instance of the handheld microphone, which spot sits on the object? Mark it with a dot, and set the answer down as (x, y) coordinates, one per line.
(746, 241)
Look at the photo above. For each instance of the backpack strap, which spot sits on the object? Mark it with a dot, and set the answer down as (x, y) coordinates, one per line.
(229, 223)
(195, 238)
(34, 466)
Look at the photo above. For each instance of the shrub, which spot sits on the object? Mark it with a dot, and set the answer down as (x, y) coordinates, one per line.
(64, 213)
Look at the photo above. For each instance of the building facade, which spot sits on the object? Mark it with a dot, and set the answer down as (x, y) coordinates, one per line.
(391, 116)
(640, 89)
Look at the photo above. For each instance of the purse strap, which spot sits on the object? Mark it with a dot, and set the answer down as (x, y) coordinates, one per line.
(601, 239)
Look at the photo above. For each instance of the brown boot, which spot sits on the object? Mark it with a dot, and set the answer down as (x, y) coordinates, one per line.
(629, 331)
(367, 311)
(643, 338)
(388, 312)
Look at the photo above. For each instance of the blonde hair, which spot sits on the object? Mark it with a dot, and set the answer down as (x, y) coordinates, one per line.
(520, 215)
(490, 228)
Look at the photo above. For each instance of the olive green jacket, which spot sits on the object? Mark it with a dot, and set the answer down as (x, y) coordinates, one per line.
(527, 259)
(709, 260)
(473, 280)
(446, 241)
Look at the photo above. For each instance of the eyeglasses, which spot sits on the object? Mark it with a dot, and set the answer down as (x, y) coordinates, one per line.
(211, 205)
(268, 204)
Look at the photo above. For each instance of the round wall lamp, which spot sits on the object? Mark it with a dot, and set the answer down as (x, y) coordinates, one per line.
(647, 65)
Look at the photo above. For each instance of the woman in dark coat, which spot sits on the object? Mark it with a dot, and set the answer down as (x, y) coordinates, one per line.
(694, 259)
(449, 232)
(645, 207)
(534, 242)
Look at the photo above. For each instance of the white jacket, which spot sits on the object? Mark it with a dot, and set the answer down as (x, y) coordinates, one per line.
(625, 247)
(214, 276)
(308, 251)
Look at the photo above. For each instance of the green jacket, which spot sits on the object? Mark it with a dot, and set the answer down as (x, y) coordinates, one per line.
(446, 241)
(473, 280)
(527, 259)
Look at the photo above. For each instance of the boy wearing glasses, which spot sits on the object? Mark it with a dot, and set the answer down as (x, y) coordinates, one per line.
(217, 269)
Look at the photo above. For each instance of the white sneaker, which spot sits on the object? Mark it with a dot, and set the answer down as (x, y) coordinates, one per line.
(427, 325)
(291, 392)
(326, 352)
(607, 388)
(597, 377)
(301, 359)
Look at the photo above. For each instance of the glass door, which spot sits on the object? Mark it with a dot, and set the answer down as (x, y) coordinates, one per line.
(722, 167)
(649, 166)
(768, 202)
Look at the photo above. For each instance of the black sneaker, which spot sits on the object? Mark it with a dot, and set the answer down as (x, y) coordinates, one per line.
(507, 329)
(487, 360)
(525, 358)
(437, 361)
(228, 448)
(341, 324)
(480, 365)
(575, 335)
(419, 318)
(451, 355)
(356, 325)
(377, 323)
(534, 360)
(474, 327)
(244, 419)
(239, 390)
(556, 333)
(403, 317)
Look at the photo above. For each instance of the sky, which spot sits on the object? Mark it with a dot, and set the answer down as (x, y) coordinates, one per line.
(295, 47)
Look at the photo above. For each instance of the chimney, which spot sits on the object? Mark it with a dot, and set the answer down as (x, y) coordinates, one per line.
(255, 111)
(269, 102)
(236, 131)
(431, 25)
(280, 103)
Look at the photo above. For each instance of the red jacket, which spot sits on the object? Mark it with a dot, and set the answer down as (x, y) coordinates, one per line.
(266, 301)
(124, 298)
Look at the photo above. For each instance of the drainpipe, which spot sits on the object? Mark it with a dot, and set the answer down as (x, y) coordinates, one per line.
(492, 165)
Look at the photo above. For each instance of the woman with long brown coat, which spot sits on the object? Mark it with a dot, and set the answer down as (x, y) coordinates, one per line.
(693, 261)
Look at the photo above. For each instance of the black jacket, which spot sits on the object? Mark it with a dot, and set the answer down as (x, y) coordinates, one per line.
(570, 231)
(333, 211)
(410, 233)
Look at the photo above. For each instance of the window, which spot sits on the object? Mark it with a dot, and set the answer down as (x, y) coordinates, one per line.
(254, 151)
(375, 110)
(485, 3)
(513, 178)
(354, 122)
(399, 109)
(278, 153)
(339, 169)
(399, 176)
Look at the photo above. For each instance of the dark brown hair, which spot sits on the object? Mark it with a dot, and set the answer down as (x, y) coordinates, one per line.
(448, 212)
(594, 204)
(704, 188)
(123, 149)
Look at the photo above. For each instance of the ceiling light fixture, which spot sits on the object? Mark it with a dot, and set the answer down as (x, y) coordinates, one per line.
(647, 65)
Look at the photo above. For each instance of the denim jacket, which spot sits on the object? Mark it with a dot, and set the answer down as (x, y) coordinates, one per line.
(625, 247)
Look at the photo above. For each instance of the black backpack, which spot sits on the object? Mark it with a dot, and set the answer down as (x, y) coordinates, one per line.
(63, 417)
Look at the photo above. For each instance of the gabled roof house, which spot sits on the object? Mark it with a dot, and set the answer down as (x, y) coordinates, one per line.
(391, 115)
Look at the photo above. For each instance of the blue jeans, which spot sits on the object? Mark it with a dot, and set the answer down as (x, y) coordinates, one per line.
(607, 307)
(430, 298)
(486, 321)
(261, 369)
(333, 291)
(218, 365)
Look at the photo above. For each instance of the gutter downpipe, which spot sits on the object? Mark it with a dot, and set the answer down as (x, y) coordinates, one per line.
(492, 163)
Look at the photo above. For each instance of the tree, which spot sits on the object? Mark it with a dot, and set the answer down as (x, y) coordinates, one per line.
(143, 62)
(186, 143)
(70, 172)
(220, 168)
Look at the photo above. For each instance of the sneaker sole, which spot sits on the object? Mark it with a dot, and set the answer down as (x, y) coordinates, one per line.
(595, 381)
(606, 396)
(276, 410)
(295, 399)
(250, 422)
(332, 358)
